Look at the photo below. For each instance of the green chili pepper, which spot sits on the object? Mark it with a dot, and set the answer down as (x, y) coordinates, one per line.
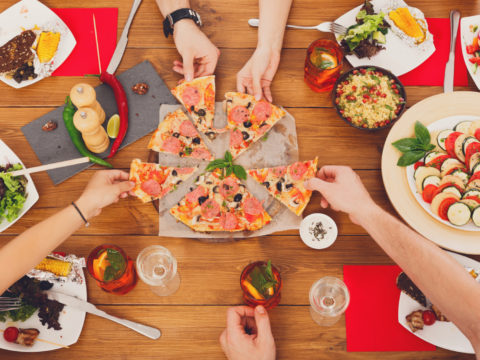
(76, 136)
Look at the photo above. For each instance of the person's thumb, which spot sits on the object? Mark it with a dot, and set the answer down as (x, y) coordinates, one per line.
(257, 86)
(188, 68)
(317, 184)
(264, 331)
(124, 186)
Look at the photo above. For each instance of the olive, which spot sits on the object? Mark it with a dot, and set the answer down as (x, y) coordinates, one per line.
(229, 100)
(211, 135)
(201, 112)
(178, 182)
(288, 186)
(248, 105)
(180, 153)
(202, 199)
(279, 186)
(247, 124)
(237, 198)
(215, 189)
(245, 135)
(192, 108)
(196, 140)
(266, 184)
(174, 173)
(175, 134)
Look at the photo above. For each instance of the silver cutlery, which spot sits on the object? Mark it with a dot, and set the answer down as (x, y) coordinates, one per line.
(331, 27)
(8, 303)
(450, 67)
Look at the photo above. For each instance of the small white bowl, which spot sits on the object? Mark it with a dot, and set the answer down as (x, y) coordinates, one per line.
(324, 240)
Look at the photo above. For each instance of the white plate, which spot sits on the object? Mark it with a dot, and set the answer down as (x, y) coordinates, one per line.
(467, 38)
(8, 156)
(28, 14)
(442, 124)
(442, 334)
(398, 56)
(70, 319)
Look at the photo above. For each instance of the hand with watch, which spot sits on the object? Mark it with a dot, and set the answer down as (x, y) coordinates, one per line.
(199, 55)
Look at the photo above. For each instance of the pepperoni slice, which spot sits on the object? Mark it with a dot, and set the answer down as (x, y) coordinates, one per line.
(151, 187)
(228, 187)
(187, 129)
(279, 171)
(263, 129)
(210, 209)
(297, 170)
(201, 153)
(228, 221)
(236, 138)
(192, 196)
(171, 145)
(261, 112)
(184, 171)
(252, 206)
(239, 114)
(190, 96)
(209, 97)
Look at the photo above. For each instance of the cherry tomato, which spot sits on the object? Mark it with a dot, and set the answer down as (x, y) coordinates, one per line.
(10, 334)
(428, 193)
(429, 317)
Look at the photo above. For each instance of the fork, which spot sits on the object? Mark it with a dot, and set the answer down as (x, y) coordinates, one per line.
(324, 27)
(8, 303)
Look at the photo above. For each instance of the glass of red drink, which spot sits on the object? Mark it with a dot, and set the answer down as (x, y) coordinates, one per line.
(112, 268)
(323, 64)
(261, 284)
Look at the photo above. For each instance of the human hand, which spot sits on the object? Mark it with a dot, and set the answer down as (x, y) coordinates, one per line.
(256, 343)
(199, 55)
(104, 188)
(342, 189)
(257, 74)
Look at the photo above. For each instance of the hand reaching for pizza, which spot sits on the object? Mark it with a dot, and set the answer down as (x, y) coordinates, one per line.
(342, 189)
(104, 188)
(257, 74)
(199, 55)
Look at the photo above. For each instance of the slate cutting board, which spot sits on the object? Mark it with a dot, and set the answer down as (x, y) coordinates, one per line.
(143, 115)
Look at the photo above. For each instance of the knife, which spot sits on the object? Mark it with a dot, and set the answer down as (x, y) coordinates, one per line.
(450, 67)
(122, 43)
(76, 303)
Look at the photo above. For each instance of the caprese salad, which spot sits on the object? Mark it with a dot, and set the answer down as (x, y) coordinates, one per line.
(448, 177)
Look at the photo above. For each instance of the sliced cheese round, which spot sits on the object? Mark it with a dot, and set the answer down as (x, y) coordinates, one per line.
(442, 135)
(475, 184)
(452, 179)
(474, 126)
(463, 126)
(421, 173)
(468, 140)
(458, 148)
(474, 160)
(449, 165)
(472, 204)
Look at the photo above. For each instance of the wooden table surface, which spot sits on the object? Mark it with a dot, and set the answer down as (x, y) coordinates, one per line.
(192, 319)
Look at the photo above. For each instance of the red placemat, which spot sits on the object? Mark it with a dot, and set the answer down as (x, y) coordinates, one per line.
(83, 59)
(432, 71)
(372, 316)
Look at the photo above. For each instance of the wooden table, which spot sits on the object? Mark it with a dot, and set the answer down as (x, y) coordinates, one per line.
(192, 319)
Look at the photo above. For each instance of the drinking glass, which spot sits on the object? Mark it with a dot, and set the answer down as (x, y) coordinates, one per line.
(323, 65)
(329, 298)
(157, 267)
(267, 301)
(112, 268)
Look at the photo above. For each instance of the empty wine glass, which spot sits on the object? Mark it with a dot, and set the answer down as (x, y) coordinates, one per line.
(329, 298)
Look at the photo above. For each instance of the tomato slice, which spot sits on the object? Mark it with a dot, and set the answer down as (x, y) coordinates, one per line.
(459, 167)
(428, 193)
(443, 208)
(418, 164)
(475, 198)
(438, 161)
(450, 143)
(473, 148)
(443, 186)
(475, 176)
(477, 134)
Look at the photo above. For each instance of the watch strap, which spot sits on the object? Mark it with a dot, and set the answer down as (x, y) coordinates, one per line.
(178, 15)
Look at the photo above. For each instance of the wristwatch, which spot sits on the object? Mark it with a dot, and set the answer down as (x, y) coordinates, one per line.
(178, 15)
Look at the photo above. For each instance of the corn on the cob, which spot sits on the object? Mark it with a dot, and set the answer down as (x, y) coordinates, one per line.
(57, 267)
(407, 23)
(47, 45)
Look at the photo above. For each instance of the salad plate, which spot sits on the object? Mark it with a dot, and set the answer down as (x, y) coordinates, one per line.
(469, 29)
(7, 156)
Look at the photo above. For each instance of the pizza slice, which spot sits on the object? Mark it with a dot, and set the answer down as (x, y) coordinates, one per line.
(248, 120)
(198, 97)
(285, 183)
(220, 204)
(177, 135)
(153, 181)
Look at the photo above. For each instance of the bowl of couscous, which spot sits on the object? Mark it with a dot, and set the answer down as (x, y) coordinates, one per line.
(369, 98)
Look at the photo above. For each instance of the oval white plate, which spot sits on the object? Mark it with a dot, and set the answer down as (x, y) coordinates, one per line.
(466, 39)
(445, 123)
(397, 57)
(8, 156)
(442, 334)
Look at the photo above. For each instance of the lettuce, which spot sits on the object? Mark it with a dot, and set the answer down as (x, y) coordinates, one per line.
(13, 199)
(359, 32)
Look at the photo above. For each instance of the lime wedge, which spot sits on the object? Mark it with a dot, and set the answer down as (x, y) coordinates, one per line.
(113, 126)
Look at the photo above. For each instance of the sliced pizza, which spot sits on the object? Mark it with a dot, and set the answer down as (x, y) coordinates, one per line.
(198, 97)
(177, 135)
(248, 120)
(153, 181)
(286, 183)
(220, 204)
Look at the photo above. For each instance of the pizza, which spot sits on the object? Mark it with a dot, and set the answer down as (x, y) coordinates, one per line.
(153, 181)
(220, 204)
(248, 120)
(198, 97)
(177, 135)
(286, 183)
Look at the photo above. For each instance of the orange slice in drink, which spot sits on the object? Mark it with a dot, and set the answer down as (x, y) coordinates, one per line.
(323, 60)
(100, 264)
(251, 289)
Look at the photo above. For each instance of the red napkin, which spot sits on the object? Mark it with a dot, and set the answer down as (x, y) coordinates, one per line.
(83, 59)
(372, 316)
(432, 71)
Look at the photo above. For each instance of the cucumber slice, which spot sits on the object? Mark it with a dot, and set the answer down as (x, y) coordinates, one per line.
(449, 163)
(421, 173)
(468, 140)
(463, 126)
(475, 184)
(431, 180)
(430, 156)
(476, 168)
(471, 192)
(476, 216)
(462, 175)
(459, 214)
(459, 147)
(452, 190)
(474, 160)
(442, 135)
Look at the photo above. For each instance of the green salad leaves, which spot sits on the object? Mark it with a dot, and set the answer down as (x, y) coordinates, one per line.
(361, 31)
(12, 193)
(414, 149)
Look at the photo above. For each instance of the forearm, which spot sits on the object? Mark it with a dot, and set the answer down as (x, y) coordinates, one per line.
(168, 6)
(273, 18)
(444, 281)
(26, 250)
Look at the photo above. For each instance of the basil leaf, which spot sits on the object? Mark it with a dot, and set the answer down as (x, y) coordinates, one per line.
(428, 147)
(239, 172)
(228, 156)
(410, 157)
(216, 164)
(229, 171)
(406, 144)
(422, 133)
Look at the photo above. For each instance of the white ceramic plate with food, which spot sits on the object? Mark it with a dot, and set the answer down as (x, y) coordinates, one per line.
(32, 14)
(398, 56)
(7, 156)
(442, 124)
(467, 24)
(71, 321)
(442, 333)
